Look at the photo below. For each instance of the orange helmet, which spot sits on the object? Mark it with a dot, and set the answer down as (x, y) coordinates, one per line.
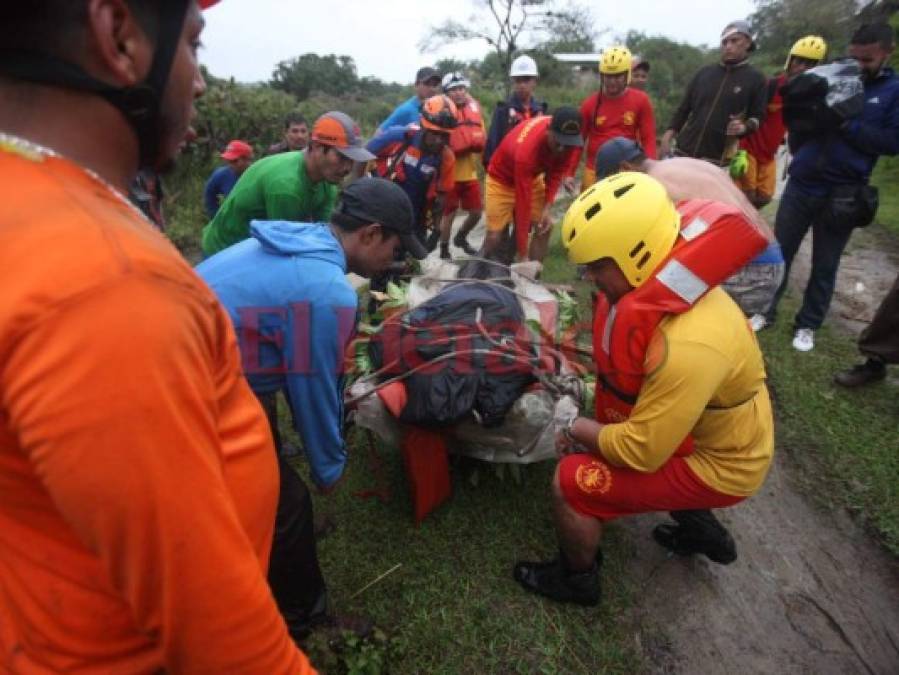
(439, 114)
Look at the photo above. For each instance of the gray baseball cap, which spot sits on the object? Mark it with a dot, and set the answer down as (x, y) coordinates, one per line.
(338, 130)
(377, 200)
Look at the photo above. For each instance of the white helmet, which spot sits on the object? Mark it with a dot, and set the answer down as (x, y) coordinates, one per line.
(523, 66)
(452, 80)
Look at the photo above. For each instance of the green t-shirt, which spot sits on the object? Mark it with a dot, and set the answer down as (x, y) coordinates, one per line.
(273, 188)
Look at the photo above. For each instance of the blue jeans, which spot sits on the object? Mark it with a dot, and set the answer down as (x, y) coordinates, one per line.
(797, 213)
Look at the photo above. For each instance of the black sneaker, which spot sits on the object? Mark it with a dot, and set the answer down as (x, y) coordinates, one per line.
(553, 580)
(697, 532)
(872, 370)
(460, 241)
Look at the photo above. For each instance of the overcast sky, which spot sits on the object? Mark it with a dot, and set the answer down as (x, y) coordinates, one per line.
(246, 38)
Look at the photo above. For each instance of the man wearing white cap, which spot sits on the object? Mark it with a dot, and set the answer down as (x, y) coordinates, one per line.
(724, 101)
(520, 107)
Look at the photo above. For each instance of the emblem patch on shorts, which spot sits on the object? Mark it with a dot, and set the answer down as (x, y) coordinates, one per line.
(593, 478)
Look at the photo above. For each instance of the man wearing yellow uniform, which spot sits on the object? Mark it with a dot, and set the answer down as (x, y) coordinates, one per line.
(683, 419)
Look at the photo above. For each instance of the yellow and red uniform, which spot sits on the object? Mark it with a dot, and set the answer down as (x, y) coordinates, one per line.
(523, 176)
(602, 118)
(138, 482)
(704, 377)
(761, 146)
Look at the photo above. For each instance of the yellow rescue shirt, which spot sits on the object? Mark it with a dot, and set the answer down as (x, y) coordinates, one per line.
(705, 377)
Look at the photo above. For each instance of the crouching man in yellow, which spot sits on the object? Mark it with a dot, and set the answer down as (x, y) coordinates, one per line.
(683, 419)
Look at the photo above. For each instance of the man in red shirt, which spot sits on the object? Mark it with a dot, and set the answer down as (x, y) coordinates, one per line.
(524, 176)
(760, 175)
(615, 110)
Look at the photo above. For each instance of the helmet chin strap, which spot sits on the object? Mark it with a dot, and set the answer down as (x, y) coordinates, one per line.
(141, 104)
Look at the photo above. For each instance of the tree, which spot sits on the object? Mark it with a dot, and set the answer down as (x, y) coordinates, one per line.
(310, 73)
(779, 23)
(508, 26)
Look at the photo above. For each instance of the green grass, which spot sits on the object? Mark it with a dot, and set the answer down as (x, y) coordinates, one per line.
(845, 441)
(886, 177)
(453, 606)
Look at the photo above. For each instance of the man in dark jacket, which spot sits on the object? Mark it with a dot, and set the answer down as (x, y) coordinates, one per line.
(723, 102)
(836, 162)
(521, 106)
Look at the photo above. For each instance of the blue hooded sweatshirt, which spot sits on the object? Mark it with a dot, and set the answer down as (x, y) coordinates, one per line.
(294, 313)
(848, 157)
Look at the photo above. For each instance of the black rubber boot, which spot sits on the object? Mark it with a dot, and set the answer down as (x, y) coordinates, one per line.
(461, 241)
(697, 532)
(444, 250)
(553, 579)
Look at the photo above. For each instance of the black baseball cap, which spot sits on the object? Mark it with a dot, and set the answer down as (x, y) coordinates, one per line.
(377, 200)
(613, 152)
(566, 126)
(425, 74)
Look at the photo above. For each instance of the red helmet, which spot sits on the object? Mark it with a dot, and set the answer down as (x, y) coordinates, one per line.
(439, 114)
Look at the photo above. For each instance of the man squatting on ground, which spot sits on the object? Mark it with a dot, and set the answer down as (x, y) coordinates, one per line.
(684, 422)
(137, 473)
(294, 311)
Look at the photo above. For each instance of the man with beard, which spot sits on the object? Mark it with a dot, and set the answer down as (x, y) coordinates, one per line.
(826, 167)
(723, 102)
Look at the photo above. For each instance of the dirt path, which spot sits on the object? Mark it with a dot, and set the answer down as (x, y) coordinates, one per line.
(810, 592)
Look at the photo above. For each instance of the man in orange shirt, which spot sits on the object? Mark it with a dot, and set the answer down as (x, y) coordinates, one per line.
(523, 178)
(615, 110)
(137, 472)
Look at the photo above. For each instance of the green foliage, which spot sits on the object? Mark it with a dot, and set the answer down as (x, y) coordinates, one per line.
(303, 75)
(779, 23)
(673, 64)
(229, 110)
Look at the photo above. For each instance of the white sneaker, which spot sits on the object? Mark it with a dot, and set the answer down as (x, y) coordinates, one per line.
(758, 322)
(804, 339)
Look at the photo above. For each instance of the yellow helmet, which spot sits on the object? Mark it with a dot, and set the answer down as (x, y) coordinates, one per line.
(627, 217)
(616, 60)
(810, 47)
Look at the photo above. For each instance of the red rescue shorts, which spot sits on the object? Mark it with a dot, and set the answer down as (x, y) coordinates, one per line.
(595, 488)
(466, 193)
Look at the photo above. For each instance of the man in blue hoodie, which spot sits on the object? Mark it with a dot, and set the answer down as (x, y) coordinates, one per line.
(829, 166)
(294, 312)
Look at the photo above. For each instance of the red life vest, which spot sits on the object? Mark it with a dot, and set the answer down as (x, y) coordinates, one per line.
(469, 135)
(715, 241)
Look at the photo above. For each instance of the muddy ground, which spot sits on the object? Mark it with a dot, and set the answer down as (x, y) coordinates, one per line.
(810, 592)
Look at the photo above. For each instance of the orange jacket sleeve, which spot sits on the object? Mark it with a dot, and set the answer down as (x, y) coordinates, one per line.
(121, 429)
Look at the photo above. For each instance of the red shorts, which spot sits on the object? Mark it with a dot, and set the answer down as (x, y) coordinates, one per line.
(593, 487)
(466, 193)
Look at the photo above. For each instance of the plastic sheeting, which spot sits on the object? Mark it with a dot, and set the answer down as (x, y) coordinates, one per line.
(822, 98)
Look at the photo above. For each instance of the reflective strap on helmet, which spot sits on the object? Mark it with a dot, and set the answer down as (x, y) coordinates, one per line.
(682, 282)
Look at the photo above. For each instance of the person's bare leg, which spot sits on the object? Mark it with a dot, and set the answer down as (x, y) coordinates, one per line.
(539, 246)
(578, 535)
(491, 241)
(446, 227)
(472, 219)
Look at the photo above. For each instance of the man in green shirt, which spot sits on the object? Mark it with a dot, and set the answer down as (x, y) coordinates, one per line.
(296, 186)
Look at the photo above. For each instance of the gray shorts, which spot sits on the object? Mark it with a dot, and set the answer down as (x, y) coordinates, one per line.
(753, 287)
